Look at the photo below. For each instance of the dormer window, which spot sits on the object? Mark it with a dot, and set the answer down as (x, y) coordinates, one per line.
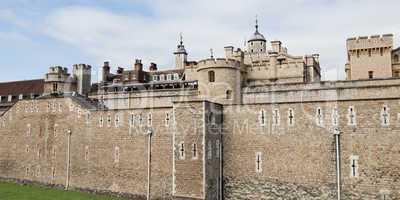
(176, 76)
(162, 77)
(155, 77)
(169, 77)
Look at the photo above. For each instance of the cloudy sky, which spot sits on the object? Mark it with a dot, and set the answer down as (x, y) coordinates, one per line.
(36, 34)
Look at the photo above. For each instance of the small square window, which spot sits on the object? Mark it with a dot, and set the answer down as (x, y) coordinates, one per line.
(370, 74)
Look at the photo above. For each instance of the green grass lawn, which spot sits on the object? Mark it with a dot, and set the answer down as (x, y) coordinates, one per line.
(11, 191)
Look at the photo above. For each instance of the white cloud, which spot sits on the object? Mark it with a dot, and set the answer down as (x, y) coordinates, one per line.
(304, 26)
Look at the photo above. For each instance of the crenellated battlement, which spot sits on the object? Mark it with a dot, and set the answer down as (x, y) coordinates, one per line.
(374, 41)
(57, 69)
(218, 62)
(83, 66)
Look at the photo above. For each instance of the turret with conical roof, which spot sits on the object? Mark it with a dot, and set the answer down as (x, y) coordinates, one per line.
(257, 42)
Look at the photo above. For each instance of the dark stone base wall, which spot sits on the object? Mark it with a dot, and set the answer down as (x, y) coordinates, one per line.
(273, 189)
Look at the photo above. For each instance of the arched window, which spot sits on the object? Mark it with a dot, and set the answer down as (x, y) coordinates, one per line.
(229, 94)
(55, 87)
(211, 76)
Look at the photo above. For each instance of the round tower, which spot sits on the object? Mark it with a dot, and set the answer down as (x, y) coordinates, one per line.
(257, 42)
(220, 80)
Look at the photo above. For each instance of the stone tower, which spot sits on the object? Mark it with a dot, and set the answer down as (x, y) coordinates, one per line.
(257, 42)
(82, 75)
(369, 57)
(180, 55)
(220, 80)
(57, 80)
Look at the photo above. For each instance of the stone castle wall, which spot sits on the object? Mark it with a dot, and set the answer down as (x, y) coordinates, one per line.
(286, 152)
(298, 160)
(102, 157)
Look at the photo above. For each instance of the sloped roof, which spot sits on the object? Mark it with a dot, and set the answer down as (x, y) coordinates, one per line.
(22, 87)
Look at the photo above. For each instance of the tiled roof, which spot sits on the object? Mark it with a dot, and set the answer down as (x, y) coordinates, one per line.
(22, 87)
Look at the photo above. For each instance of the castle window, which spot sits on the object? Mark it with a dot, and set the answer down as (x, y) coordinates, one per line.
(258, 162)
(370, 74)
(87, 118)
(38, 171)
(55, 130)
(140, 120)
(211, 76)
(351, 116)
(396, 58)
(149, 119)
(29, 130)
(117, 120)
(354, 166)
(217, 148)
(78, 110)
(101, 121)
(335, 117)
(194, 151)
(53, 173)
(27, 171)
(385, 116)
(108, 120)
(116, 155)
(55, 87)
(261, 118)
(290, 117)
(131, 119)
(209, 152)
(229, 94)
(319, 117)
(86, 153)
(182, 151)
(54, 107)
(38, 151)
(54, 152)
(167, 119)
(276, 117)
(211, 118)
(384, 195)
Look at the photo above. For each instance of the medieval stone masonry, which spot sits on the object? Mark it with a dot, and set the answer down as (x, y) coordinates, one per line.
(256, 124)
